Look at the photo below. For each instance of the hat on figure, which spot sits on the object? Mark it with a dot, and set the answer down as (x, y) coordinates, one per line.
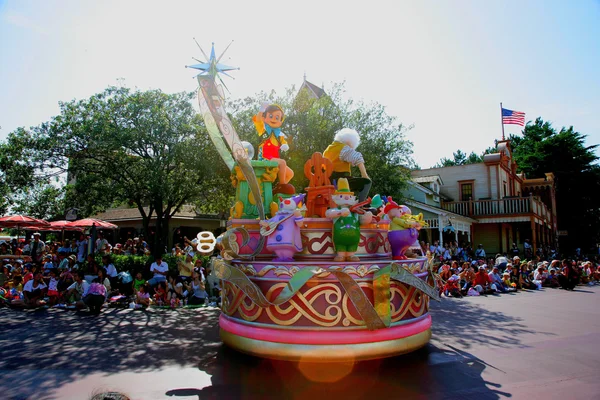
(391, 204)
(343, 187)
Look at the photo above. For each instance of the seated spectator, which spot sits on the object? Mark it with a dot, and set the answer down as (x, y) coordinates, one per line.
(482, 281)
(65, 279)
(174, 289)
(27, 273)
(186, 267)
(78, 290)
(48, 264)
(143, 295)
(569, 277)
(160, 270)
(5, 248)
(4, 275)
(33, 292)
(138, 282)
(198, 289)
(53, 293)
(525, 280)
(103, 279)
(510, 286)
(109, 267)
(538, 276)
(451, 287)
(446, 273)
(466, 279)
(160, 293)
(96, 296)
(496, 280)
(552, 280)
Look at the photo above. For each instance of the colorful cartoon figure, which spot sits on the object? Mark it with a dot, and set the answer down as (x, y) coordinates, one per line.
(404, 228)
(283, 230)
(346, 222)
(268, 124)
(342, 153)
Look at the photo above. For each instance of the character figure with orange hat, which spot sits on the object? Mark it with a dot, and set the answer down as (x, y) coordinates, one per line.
(404, 228)
(268, 124)
(346, 224)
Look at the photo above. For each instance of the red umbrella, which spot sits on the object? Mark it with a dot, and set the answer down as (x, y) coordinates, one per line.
(89, 222)
(20, 221)
(17, 221)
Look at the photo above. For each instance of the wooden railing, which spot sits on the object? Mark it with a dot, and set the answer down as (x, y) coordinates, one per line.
(508, 206)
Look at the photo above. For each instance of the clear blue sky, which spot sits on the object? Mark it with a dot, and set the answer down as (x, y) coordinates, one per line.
(443, 66)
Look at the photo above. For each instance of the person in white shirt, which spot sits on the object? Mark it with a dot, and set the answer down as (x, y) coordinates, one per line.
(111, 271)
(102, 245)
(34, 291)
(160, 270)
(78, 289)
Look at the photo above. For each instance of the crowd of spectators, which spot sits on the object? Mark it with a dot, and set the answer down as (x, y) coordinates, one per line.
(66, 275)
(464, 271)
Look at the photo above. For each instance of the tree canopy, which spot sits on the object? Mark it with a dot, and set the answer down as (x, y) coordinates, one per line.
(543, 149)
(150, 150)
(311, 123)
(461, 158)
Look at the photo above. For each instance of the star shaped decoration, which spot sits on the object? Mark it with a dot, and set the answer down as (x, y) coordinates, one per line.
(212, 67)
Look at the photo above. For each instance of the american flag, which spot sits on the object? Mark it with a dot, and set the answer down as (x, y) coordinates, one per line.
(513, 117)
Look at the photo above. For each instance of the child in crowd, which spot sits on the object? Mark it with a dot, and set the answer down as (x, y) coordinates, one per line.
(53, 293)
(143, 295)
(138, 282)
(160, 294)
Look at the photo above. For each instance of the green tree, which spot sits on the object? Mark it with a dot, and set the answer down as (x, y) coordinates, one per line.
(543, 149)
(146, 149)
(461, 158)
(310, 125)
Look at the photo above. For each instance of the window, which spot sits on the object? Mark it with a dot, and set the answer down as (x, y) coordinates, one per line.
(505, 188)
(466, 191)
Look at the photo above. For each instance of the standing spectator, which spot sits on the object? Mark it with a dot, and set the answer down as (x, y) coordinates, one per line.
(102, 246)
(514, 250)
(186, 267)
(527, 249)
(480, 252)
(37, 248)
(198, 289)
(160, 270)
(82, 246)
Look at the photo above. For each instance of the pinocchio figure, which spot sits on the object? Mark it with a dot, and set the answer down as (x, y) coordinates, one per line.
(268, 124)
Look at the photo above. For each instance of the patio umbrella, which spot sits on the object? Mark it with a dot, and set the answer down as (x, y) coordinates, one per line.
(90, 222)
(21, 221)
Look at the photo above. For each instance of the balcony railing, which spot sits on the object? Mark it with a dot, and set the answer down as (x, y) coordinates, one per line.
(509, 206)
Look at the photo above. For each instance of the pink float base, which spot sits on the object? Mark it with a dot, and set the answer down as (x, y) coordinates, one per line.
(325, 337)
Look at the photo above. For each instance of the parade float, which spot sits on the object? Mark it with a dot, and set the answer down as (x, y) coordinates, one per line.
(317, 276)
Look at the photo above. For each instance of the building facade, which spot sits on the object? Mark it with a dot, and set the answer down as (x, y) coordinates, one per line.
(504, 206)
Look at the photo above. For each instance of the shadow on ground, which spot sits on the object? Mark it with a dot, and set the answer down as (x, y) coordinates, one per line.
(72, 345)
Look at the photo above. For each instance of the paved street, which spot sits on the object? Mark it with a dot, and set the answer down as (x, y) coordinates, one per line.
(526, 345)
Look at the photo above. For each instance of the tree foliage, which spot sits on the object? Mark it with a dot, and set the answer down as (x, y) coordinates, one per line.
(543, 149)
(311, 123)
(151, 151)
(461, 158)
(146, 149)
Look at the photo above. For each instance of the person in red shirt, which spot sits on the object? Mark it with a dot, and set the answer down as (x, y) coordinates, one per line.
(482, 281)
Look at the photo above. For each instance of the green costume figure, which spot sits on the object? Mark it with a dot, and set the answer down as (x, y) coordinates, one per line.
(346, 225)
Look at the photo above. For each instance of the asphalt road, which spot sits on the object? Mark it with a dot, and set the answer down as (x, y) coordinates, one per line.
(522, 346)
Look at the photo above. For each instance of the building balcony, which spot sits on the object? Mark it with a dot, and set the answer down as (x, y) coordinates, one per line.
(508, 207)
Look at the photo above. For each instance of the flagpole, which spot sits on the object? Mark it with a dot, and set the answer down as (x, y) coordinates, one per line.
(502, 121)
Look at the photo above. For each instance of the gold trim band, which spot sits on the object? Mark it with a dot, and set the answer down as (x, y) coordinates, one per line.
(326, 353)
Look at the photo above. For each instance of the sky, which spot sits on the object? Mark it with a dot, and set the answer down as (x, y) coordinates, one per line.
(442, 66)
